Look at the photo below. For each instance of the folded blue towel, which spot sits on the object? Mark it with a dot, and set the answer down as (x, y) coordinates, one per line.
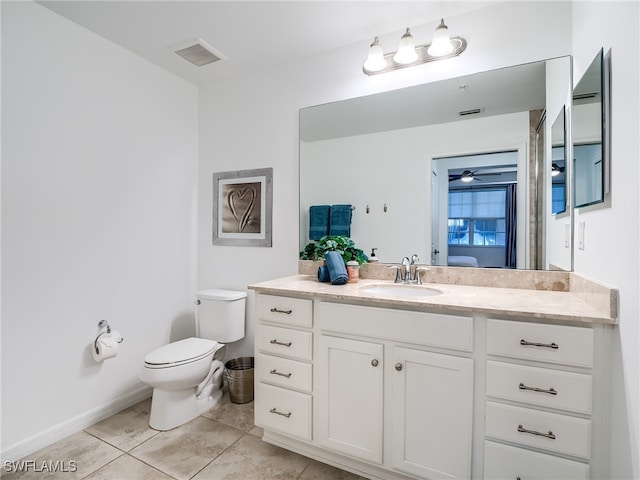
(318, 221)
(323, 273)
(337, 268)
(340, 220)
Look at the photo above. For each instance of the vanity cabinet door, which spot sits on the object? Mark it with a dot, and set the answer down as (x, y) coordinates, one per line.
(350, 397)
(432, 413)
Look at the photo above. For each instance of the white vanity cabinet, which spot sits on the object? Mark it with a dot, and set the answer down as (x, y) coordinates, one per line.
(539, 388)
(376, 369)
(390, 391)
(350, 397)
(432, 413)
(283, 368)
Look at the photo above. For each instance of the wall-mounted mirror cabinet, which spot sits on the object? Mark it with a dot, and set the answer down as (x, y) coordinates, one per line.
(398, 157)
(590, 133)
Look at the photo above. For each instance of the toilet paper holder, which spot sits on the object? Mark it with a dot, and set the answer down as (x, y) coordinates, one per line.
(106, 330)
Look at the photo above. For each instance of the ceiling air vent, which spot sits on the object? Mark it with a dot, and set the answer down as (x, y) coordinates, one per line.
(198, 53)
(585, 96)
(470, 112)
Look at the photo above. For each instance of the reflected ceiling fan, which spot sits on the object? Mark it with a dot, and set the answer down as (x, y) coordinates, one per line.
(556, 170)
(469, 176)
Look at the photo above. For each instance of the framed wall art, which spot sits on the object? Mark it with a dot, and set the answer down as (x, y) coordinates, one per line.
(242, 207)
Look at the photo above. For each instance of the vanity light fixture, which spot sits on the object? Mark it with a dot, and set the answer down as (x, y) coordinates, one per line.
(408, 55)
(555, 170)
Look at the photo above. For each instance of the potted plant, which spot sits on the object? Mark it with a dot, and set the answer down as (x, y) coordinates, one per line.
(333, 243)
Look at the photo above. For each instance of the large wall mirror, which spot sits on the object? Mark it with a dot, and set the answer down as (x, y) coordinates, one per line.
(445, 170)
(590, 133)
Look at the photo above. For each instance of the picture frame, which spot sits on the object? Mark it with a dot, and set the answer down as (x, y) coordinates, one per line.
(242, 207)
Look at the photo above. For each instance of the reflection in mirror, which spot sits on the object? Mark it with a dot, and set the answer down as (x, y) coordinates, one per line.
(481, 210)
(383, 154)
(590, 134)
(558, 165)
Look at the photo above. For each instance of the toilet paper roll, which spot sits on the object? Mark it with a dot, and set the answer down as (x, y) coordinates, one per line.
(105, 347)
(115, 334)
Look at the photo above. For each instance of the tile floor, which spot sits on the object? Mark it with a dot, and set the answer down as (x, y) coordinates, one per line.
(221, 444)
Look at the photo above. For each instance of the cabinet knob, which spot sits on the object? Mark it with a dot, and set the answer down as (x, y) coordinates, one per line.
(398, 366)
(374, 362)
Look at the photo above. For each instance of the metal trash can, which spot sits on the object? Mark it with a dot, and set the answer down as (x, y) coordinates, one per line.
(238, 373)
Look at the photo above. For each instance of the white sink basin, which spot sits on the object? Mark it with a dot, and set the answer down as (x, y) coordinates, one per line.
(400, 290)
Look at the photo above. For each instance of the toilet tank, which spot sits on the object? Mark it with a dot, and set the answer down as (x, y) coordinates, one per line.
(220, 314)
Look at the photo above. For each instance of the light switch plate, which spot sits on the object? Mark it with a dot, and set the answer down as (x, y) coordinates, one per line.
(581, 236)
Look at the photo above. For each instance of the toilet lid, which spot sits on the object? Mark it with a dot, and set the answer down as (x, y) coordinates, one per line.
(220, 294)
(186, 350)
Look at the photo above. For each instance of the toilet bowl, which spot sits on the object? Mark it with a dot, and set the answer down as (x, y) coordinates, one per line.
(186, 375)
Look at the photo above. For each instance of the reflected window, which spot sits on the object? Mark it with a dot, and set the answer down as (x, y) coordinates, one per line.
(558, 198)
(478, 217)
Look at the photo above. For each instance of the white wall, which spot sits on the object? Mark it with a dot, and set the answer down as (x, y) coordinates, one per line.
(252, 122)
(612, 238)
(99, 171)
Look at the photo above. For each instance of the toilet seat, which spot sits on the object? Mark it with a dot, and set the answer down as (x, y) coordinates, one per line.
(181, 352)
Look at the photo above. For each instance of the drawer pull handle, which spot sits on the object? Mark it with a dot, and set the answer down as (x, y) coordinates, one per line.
(551, 391)
(277, 310)
(535, 344)
(275, 372)
(550, 434)
(276, 342)
(374, 362)
(273, 410)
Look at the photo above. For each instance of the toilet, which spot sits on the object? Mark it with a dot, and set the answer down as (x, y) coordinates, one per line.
(186, 375)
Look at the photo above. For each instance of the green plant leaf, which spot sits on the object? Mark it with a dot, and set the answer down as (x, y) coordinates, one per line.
(333, 243)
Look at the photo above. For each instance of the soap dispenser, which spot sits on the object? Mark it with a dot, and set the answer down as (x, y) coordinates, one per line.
(372, 257)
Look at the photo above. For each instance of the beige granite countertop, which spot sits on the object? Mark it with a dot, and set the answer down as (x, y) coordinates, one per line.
(565, 306)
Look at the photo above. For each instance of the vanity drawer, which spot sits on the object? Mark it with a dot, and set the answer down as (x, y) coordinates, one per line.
(572, 436)
(430, 329)
(285, 310)
(283, 410)
(284, 341)
(284, 372)
(540, 386)
(541, 342)
(502, 461)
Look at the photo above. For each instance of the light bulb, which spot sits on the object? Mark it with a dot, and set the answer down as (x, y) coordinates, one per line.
(441, 44)
(406, 50)
(467, 176)
(375, 60)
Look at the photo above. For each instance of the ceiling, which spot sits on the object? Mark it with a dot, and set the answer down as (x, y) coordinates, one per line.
(253, 35)
(513, 89)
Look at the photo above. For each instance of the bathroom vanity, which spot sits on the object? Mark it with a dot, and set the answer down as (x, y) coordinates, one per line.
(469, 382)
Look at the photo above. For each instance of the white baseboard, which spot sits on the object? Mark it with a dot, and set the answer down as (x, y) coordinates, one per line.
(58, 432)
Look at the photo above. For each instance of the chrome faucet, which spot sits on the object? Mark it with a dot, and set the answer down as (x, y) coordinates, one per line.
(404, 271)
(406, 263)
